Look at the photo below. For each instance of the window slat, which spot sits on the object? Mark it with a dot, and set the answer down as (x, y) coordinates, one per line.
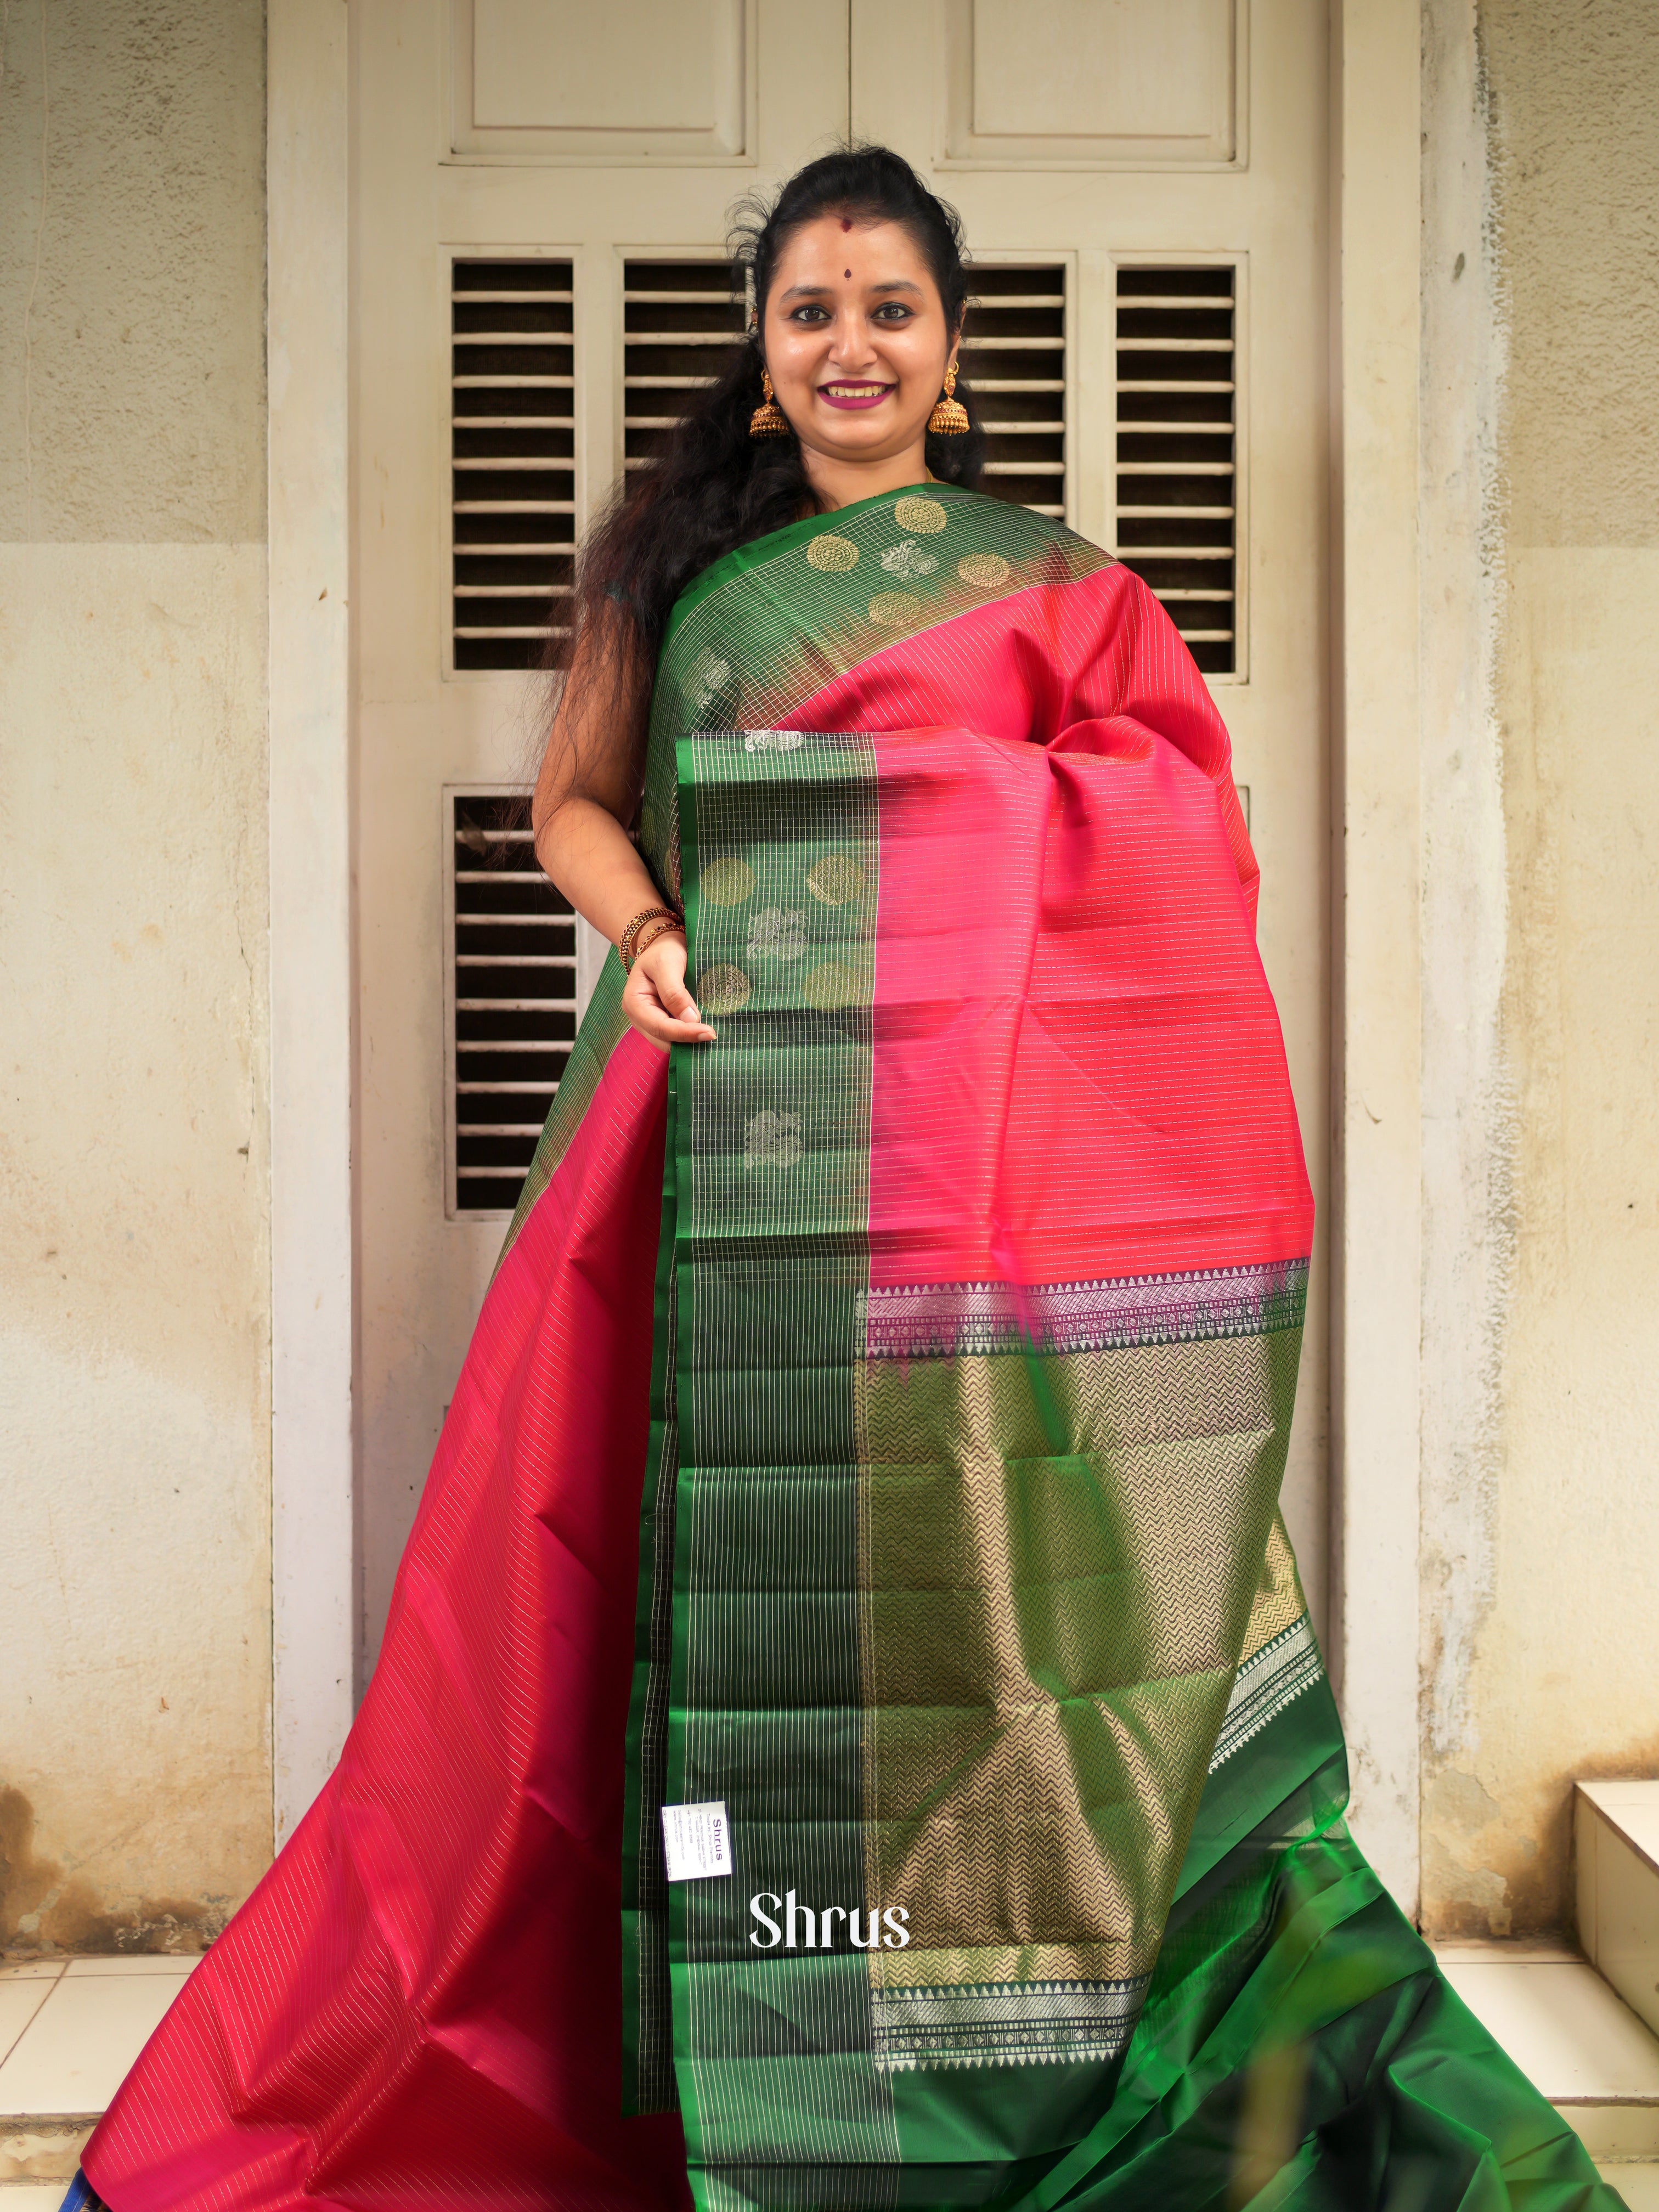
(512, 419)
(514, 1008)
(1177, 422)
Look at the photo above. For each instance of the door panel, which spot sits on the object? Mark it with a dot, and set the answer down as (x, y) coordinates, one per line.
(1079, 141)
(632, 81)
(1118, 83)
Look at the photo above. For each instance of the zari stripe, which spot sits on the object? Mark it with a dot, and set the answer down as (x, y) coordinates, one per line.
(1269, 1681)
(962, 1319)
(1030, 2023)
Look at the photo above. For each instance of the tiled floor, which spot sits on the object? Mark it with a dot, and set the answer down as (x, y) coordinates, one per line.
(1571, 2034)
(68, 2035)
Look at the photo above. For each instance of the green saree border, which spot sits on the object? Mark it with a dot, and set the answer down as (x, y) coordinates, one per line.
(647, 2025)
(759, 551)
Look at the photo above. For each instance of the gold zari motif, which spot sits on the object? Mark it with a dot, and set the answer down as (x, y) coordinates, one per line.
(723, 988)
(830, 984)
(834, 879)
(894, 609)
(727, 882)
(987, 570)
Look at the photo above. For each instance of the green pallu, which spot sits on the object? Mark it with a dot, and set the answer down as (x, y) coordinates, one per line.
(962, 1586)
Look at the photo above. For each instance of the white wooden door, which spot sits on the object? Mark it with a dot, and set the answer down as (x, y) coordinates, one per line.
(541, 193)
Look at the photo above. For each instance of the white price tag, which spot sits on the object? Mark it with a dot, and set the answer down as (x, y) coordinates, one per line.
(696, 1841)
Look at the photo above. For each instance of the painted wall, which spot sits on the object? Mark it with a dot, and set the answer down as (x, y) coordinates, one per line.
(135, 1787)
(1541, 962)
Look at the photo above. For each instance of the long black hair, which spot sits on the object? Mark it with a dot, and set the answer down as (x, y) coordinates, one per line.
(714, 487)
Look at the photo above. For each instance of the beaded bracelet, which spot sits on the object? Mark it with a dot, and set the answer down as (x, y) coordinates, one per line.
(628, 944)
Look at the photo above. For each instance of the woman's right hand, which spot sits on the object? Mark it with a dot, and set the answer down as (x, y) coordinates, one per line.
(655, 998)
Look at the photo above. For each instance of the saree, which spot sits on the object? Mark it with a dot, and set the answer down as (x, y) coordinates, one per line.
(864, 1477)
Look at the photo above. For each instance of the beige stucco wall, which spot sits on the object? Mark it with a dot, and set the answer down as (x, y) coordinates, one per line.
(135, 1791)
(1542, 1558)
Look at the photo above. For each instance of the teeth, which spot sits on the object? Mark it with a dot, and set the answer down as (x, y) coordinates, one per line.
(854, 391)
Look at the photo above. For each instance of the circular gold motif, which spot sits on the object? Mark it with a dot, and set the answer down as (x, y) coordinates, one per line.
(832, 552)
(834, 879)
(894, 609)
(925, 516)
(722, 989)
(829, 986)
(987, 570)
(727, 882)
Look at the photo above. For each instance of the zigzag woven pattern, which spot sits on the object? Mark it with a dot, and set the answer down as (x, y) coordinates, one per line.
(1015, 1737)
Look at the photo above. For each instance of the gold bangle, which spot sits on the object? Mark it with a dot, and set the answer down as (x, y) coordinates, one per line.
(659, 926)
(627, 943)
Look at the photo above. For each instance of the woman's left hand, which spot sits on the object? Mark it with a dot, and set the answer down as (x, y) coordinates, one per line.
(655, 998)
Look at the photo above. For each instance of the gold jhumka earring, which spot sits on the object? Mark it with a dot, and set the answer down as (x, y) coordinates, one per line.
(949, 417)
(769, 419)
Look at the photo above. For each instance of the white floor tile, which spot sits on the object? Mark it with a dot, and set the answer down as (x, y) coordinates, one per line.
(32, 2196)
(19, 2004)
(31, 1970)
(157, 1962)
(79, 2047)
(1638, 2185)
(1562, 2025)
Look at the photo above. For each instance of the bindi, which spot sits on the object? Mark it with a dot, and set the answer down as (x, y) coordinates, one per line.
(847, 222)
(846, 272)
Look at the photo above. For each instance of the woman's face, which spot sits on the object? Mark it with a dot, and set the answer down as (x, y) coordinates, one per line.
(855, 339)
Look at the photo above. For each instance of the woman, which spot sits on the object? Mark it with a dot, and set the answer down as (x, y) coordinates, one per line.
(849, 1732)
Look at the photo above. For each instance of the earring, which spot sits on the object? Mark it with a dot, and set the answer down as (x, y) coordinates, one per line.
(769, 419)
(949, 417)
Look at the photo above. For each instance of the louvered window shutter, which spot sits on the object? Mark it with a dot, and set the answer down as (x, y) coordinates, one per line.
(513, 997)
(1178, 450)
(1013, 354)
(682, 322)
(513, 443)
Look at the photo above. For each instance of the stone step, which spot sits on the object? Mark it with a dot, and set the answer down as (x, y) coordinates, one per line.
(1615, 1834)
(1571, 2035)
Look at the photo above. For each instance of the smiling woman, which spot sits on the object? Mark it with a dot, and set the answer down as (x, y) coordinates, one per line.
(859, 1510)
(858, 354)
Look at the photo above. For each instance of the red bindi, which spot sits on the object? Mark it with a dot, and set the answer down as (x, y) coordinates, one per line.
(846, 273)
(847, 222)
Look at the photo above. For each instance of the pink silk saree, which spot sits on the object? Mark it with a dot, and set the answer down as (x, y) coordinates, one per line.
(874, 1426)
